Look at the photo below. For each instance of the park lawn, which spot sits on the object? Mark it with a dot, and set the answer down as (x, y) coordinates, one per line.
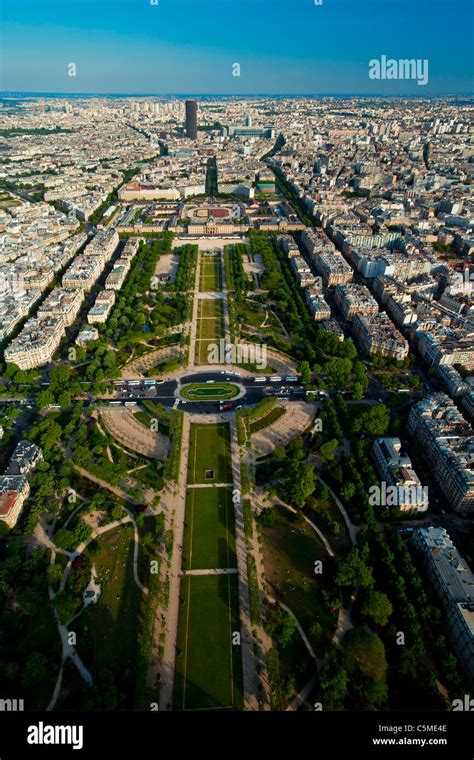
(210, 307)
(210, 277)
(341, 543)
(203, 348)
(117, 616)
(209, 535)
(208, 666)
(267, 420)
(210, 328)
(209, 449)
(291, 547)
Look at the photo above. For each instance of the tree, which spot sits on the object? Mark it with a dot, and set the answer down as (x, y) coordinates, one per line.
(66, 605)
(298, 485)
(377, 606)
(28, 600)
(305, 371)
(353, 572)
(35, 669)
(333, 681)
(373, 421)
(326, 452)
(364, 653)
(287, 630)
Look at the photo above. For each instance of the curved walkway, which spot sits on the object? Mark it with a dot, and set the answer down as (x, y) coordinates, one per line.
(317, 530)
(69, 650)
(353, 529)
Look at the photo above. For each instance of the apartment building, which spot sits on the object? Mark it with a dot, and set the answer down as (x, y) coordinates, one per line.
(37, 343)
(14, 490)
(317, 304)
(352, 299)
(116, 278)
(316, 241)
(453, 380)
(83, 272)
(102, 307)
(332, 326)
(24, 458)
(453, 582)
(376, 334)
(62, 303)
(396, 470)
(103, 244)
(333, 268)
(288, 245)
(446, 440)
(467, 404)
(444, 346)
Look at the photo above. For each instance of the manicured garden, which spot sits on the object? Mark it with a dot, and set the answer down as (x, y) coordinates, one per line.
(209, 538)
(209, 392)
(208, 665)
(209, 454)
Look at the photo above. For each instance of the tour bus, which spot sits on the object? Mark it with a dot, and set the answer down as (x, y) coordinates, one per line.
(115, 403)
(134, 382)
(149, 382)
(275, 379)
(130, 403)
(260, 380)
(291, 379)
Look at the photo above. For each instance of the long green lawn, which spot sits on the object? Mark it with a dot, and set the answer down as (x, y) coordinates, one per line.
(210, 328)
(209, 537)
(210, 307)
(208, 666)
(209, 450)
(210, 276)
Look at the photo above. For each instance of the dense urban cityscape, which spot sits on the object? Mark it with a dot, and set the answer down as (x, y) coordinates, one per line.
(284, 523)
(236, 376)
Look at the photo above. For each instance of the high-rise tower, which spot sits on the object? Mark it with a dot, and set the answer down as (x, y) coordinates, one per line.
(191, 119)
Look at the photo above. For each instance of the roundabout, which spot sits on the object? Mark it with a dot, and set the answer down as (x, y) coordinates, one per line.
(209, 391)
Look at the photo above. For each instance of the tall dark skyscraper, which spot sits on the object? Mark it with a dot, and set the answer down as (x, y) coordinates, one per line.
(191, 119)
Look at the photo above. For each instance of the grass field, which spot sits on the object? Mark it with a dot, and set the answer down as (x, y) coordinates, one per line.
(208, 666)
(204, 391)
(118, 615)
(210, 276)
(290, 550)
(203, 351)
(209, 538)
(209, 449)
(209, 328)
(210, 308)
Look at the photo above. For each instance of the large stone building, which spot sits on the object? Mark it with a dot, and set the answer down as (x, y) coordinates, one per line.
(453, 581)
(446, 440)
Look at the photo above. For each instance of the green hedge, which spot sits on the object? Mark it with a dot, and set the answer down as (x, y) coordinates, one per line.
(254, 595)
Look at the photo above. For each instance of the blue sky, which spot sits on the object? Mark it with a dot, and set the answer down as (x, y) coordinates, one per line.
(189, 46)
